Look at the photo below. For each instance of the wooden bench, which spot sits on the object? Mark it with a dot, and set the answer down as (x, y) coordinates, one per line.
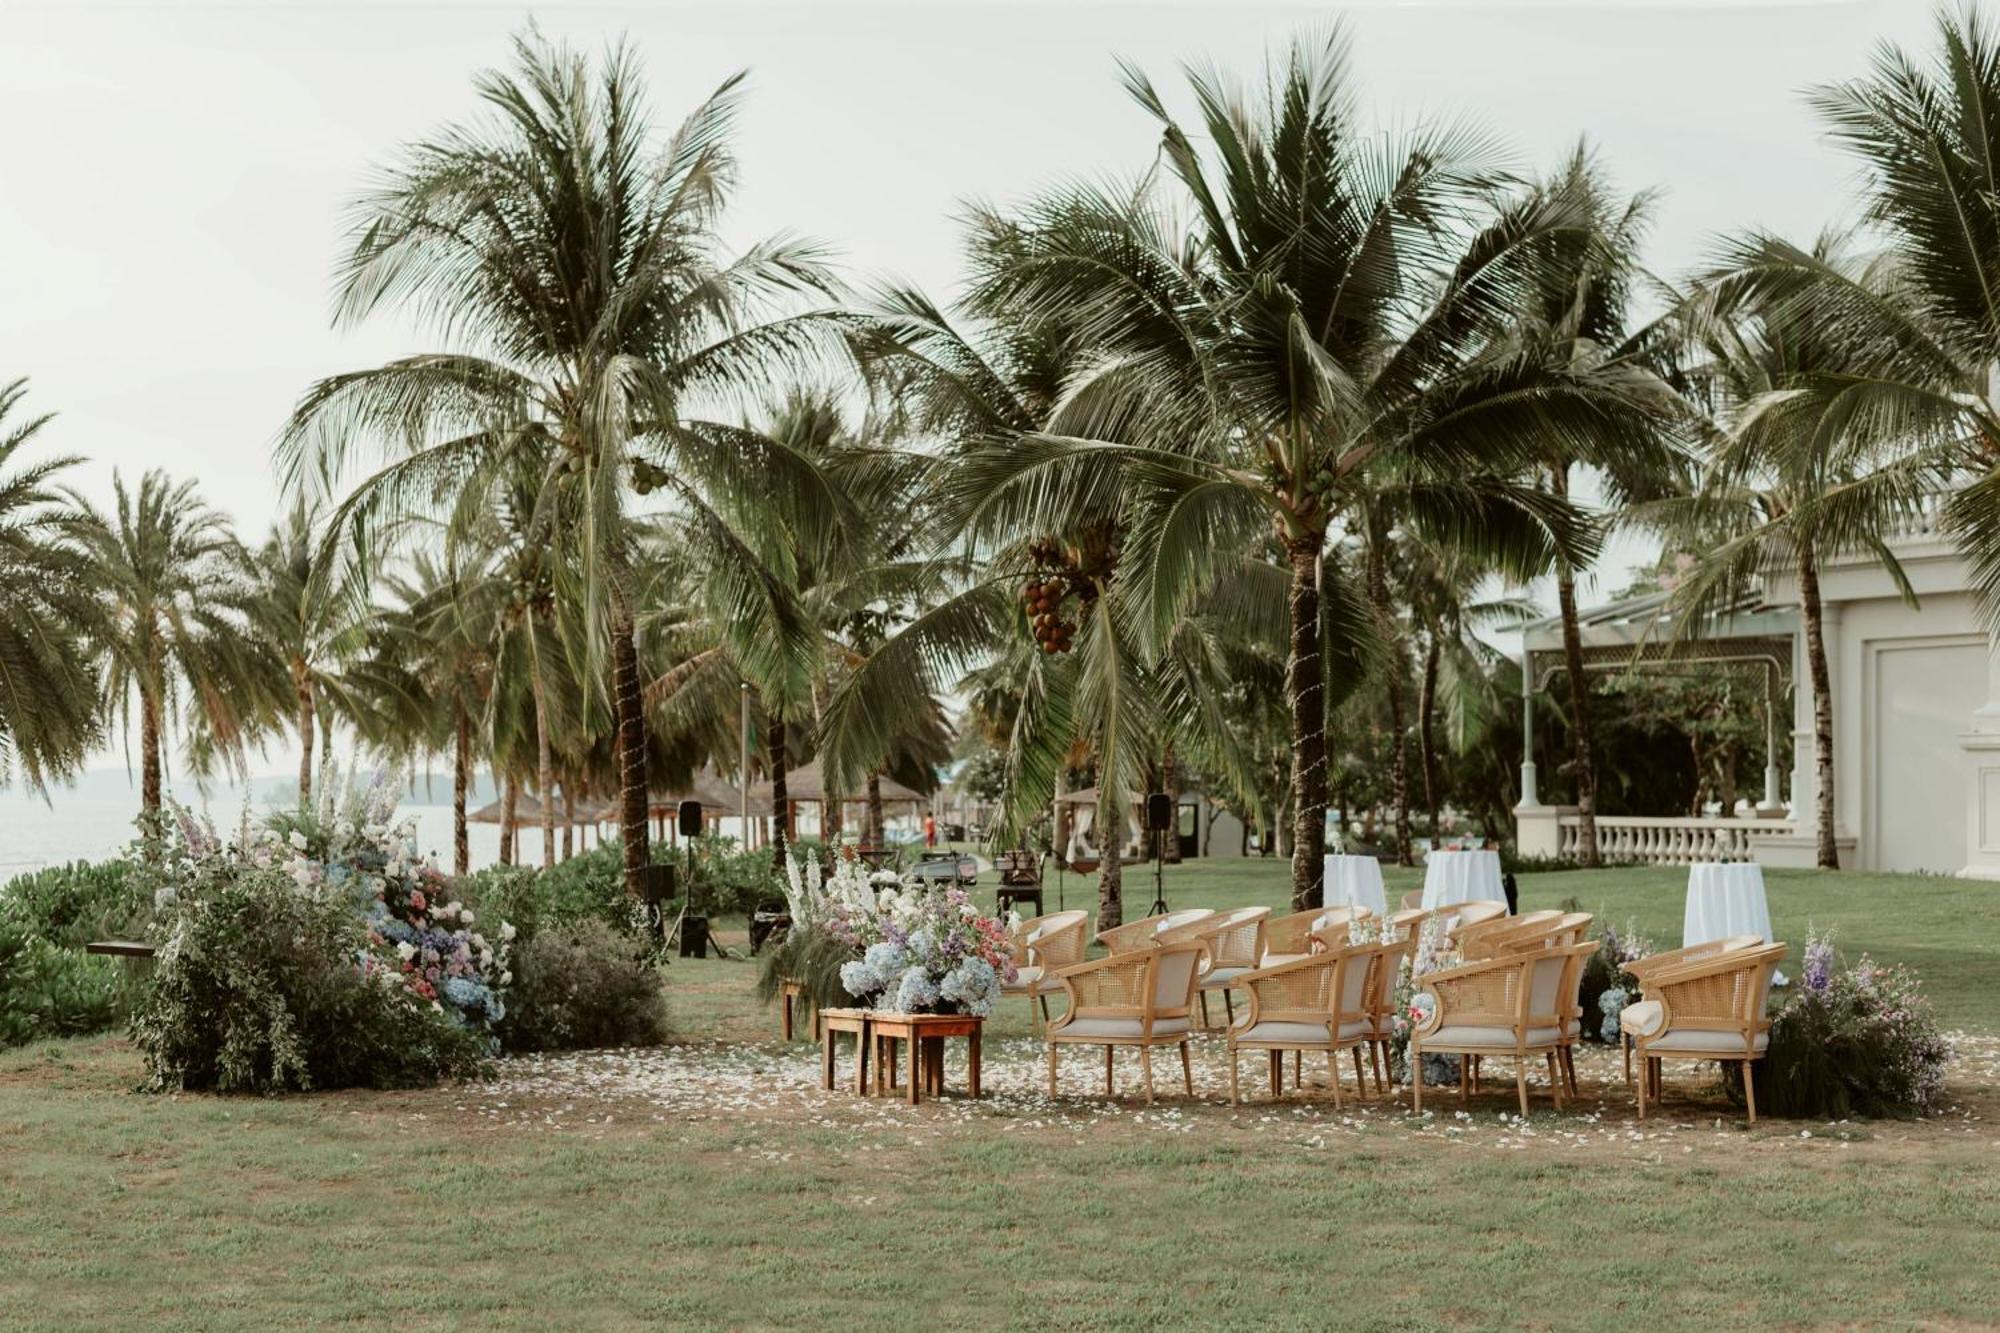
(121, 948)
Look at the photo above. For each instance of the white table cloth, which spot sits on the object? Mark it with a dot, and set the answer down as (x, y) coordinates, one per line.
(1462, 877)
(1355, 881)
(1725, 898)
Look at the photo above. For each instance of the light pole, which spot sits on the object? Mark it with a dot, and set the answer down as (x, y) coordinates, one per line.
(743, 765)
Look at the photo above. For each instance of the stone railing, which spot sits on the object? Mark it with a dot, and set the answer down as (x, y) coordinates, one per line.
(1645, 840)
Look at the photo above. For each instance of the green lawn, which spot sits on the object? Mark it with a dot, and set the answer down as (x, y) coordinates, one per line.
(736, 1195)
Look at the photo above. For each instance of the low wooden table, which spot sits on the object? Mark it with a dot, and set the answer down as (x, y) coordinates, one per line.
(926, 1035)
(857, 1021)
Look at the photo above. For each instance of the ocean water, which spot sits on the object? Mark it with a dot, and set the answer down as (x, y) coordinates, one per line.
(90, 826)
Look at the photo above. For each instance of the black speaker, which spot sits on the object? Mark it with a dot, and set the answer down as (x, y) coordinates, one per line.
(690, 817)
(1159, 812)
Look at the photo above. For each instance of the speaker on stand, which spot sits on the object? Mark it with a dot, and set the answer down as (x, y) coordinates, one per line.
(691, 931)
(1159, 818)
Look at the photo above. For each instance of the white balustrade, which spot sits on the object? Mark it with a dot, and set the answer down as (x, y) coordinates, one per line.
(1645, 840)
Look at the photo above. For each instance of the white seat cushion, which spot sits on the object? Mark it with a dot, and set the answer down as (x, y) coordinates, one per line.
(1454, 1036)
(1023, 983)
(1642, 1019)
(1219, 977)
(1696, 1041)
(1312, 1033)
(1118, 1027)
(1572, 1026)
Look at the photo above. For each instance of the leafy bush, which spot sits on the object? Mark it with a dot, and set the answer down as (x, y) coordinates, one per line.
(583, 986)
(48, 991)
(1857, 1041)
(734, 879)
(591, 886)
(257, 989)
(73, 904)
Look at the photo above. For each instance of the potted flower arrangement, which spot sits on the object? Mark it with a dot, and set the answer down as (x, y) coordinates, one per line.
(865, 937)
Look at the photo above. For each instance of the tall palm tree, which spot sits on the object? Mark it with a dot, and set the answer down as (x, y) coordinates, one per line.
(1788, 478)
(310, 612)
(49, 694)
(171, 584)
(570, 263)
(1326, 334)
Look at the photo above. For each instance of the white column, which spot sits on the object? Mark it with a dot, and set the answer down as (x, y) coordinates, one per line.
(1982, 778)
(1529, 796)
(1772, 805)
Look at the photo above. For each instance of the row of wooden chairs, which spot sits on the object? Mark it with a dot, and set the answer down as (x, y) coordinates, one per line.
(1308, 987)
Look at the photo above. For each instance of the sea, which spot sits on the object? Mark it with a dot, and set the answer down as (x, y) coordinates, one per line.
(94, 819)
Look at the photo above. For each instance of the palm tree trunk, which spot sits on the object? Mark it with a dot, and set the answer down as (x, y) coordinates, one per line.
(1399, 749)
(149, 756)
(1828, 857)
(545, 768)
(510, 799)
(302, 690)
(631, 750)
(875, 808)
(1583, 746)
(461, 778)
(1305, 693)
(569, 821)
(779, 797)
(1110, 859)
(1426, 733)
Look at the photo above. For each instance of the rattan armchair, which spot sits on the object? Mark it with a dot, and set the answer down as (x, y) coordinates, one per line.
(1655, 963)
(1382, 996)
(1537, 930)
(1290, 937)
(1316, 1003)
(1510, 1005)
(1235, 943)
(1142, 933)
(1710, 1009)
(1144, 998)
(1043, 946)
(1478, 939)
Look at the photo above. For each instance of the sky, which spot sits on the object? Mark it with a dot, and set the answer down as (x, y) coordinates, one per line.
(173, 176)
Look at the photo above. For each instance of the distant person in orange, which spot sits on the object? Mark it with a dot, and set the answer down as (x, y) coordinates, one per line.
(930, 830)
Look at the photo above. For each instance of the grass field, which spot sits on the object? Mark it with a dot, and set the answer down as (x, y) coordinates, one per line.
(710, 1184)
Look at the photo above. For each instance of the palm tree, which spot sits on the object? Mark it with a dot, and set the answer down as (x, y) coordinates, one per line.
(572, 265)
(1325, 337)
(1575, 314)
(310, 611)
(49, 694)
(171, 583)
(1788, 479)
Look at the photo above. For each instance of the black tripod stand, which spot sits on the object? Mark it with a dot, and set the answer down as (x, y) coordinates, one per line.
(691, 931)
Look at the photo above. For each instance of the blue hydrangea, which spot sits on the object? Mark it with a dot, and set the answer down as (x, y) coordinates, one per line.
(1609, 1031)
(974, 984)
(916, 992)
(1613, 1000)
(397, 932)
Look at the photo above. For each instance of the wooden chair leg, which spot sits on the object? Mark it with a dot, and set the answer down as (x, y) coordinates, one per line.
(1333, 1074)
(1569, 1068)
(1203, 995)
(785, 1018)
(1521, 1082)
(1146, 1068)
(1187, 1069)
(1416, 1080)
(1235, 1096)
(1107, 1071)
(826, 1060)
(1750, 1090)
(1465, 1080)
(1299, 1069)
(1228, 1009)
(1052, 1071)
(1360, 1074)
(1375, 1059)
(1555, 1078)
(1277, 1072)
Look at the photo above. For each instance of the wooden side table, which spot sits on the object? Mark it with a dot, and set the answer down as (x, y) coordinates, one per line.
(861, 1023)
(925, 1036)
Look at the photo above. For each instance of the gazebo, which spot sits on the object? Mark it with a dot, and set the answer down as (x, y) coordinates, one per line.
(806, 785)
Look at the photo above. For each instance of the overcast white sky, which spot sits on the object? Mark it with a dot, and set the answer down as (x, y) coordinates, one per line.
(172, 175)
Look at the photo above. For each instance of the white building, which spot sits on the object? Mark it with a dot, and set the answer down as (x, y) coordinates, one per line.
(1916, 694)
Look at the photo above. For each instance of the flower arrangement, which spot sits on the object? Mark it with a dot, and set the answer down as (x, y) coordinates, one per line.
(937, 954)
(1608, 985)
(1852, 1041)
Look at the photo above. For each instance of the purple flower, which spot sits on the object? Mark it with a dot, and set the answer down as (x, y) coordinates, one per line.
(1818, 972)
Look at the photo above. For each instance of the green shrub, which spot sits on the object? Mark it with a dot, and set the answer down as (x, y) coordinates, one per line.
(257, 989)
(73, 904)
(583, 986)
(48, 991)
(591, 886)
